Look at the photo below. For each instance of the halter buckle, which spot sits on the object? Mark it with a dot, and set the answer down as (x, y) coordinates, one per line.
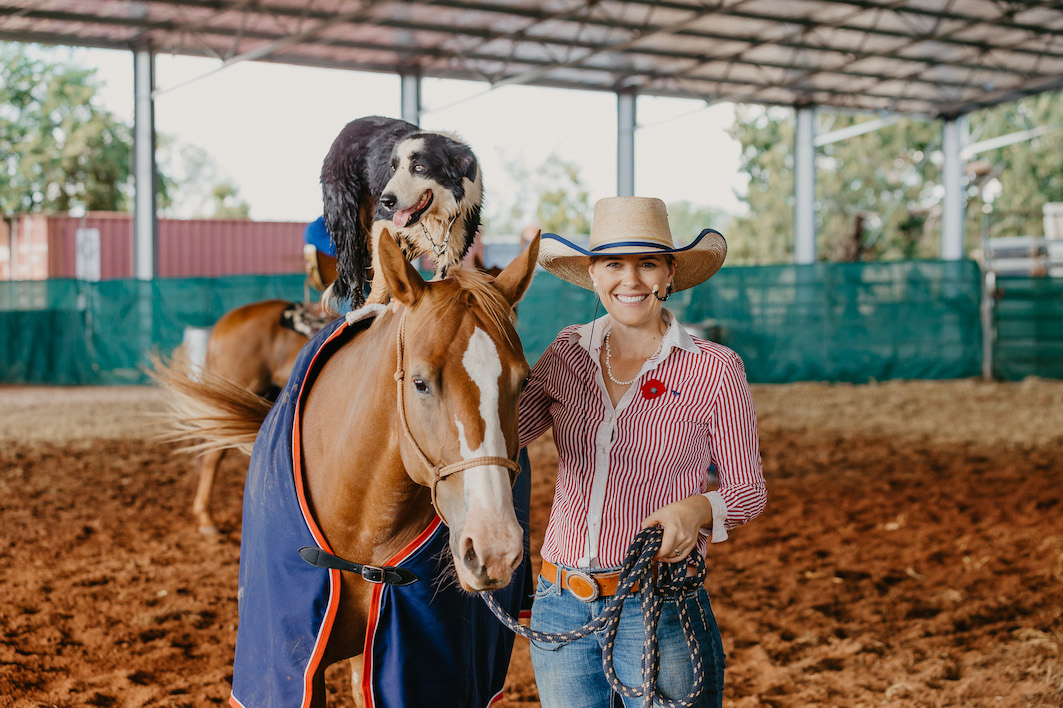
(373, 574)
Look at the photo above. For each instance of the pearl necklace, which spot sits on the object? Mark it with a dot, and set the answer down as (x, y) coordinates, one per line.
(609, 361)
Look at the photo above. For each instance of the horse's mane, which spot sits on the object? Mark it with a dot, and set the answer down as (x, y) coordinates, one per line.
(486, 297)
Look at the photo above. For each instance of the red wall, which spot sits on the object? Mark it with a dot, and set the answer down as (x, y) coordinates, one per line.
(45, 246)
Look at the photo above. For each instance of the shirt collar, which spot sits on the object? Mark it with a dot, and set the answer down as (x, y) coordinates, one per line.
(591, 335)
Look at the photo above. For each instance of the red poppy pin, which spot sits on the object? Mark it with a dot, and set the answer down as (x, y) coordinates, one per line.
(652, 388)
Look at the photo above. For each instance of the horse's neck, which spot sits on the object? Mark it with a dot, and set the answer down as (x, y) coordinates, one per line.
(362, 498)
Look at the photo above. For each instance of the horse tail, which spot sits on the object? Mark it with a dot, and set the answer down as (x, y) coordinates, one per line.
(207, 411)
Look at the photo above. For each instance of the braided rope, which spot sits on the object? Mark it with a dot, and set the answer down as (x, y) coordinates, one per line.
(671, 582)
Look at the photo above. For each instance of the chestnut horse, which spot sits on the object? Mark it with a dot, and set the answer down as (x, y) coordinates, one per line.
(380, 460)
(250, 347)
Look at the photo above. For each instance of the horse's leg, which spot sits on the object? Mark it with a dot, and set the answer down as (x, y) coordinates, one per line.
(208, 468)
(319, 699)
(356, 681)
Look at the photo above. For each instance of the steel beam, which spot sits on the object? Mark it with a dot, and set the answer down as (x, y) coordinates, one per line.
(625, 143)
(805, 185)
(953, 202)
(145, 233)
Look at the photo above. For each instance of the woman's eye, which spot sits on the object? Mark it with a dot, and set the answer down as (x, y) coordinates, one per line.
(420, 386)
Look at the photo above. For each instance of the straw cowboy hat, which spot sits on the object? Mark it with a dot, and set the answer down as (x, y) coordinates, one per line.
(633, 226)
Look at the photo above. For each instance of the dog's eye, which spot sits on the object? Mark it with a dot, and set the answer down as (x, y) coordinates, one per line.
(418, 168)
(394, 167)
(420, 386)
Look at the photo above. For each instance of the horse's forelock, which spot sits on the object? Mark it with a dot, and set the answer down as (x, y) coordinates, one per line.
(484, 297)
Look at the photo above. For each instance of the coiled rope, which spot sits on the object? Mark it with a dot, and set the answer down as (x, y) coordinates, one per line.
(671, 582)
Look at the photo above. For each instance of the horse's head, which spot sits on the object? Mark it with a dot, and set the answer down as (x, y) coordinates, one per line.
(462, 370)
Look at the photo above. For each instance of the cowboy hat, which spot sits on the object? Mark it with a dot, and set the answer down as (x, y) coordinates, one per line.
(633, 226)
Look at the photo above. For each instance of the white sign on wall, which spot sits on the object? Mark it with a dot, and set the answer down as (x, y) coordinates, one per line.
(87, 264)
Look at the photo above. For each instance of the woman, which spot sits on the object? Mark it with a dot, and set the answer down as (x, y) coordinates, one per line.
(640, 411)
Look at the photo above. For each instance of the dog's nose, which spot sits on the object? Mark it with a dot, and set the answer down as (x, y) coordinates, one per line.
(388, 200)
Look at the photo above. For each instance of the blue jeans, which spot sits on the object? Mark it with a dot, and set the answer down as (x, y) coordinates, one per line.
(571, 675)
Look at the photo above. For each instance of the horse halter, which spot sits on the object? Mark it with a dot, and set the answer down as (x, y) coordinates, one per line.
(436, 472)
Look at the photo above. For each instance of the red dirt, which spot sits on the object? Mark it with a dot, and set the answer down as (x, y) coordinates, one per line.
(911, 554)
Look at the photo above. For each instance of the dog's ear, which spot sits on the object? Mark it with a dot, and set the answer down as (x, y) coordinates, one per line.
(467, 163)
(404, 282)
(517, 276)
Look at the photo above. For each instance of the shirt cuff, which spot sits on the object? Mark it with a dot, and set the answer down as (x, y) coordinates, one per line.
(719, 516)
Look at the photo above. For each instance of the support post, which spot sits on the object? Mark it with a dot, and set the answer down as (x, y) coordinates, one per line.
(145, 229)
(625, 143)
(805, 185)
(953, 202)
(410, 96)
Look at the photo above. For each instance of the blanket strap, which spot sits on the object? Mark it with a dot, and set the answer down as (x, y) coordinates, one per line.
(388, 574)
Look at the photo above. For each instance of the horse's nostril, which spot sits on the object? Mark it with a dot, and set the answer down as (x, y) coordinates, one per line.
(470, 556)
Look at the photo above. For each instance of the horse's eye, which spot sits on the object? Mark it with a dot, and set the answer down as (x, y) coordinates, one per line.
(420, 385)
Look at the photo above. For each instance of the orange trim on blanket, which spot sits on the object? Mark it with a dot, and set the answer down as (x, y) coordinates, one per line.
(374, 610)
(334, 575)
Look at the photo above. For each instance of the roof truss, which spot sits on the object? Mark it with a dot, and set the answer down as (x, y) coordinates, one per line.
(927, 57)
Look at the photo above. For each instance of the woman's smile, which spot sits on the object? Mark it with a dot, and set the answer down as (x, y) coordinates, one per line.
(631, 299)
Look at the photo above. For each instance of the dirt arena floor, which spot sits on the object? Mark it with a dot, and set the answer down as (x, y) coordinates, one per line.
(911, 553)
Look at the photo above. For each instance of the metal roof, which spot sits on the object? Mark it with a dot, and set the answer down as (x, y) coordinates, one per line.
(928, 57)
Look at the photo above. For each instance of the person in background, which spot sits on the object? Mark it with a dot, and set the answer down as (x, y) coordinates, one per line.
(640, 409)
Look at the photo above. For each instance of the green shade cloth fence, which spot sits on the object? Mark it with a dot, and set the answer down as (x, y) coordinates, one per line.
(1028, 326)
(850, 322)
(821, 322)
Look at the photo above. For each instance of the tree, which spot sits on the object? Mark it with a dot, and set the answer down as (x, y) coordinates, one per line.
(552, 195)
(878, 195)
(58, 148)
(687, 220)
(196, 188)
(227, 202)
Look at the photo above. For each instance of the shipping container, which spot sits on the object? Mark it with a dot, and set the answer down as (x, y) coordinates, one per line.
(41, 246)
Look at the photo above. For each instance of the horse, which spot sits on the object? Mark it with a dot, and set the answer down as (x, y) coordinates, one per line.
(412, 419)
(251, 347)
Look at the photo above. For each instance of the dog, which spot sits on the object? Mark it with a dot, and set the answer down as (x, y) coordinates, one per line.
(386, 177)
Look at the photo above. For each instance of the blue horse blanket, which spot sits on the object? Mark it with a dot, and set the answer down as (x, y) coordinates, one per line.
(427, 644)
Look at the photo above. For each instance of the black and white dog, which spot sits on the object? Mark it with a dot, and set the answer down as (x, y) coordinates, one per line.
(384, 175)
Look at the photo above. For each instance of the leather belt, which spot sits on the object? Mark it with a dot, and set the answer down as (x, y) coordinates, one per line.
(582, 584)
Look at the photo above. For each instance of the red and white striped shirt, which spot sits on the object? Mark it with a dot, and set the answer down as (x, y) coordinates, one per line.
(617, 466)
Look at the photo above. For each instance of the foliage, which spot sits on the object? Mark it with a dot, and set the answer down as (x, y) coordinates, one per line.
(59, 149)
(196, 187)
(878, 195)
(687, 220)
(552, 195)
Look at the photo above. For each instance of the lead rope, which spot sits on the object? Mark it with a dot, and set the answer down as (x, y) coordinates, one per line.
(637, 568)
(436, 472)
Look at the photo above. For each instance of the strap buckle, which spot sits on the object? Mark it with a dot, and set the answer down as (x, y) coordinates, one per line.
(373, 574)
(583, 586)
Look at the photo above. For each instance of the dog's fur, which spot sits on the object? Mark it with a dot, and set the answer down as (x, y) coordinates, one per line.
(386, 176)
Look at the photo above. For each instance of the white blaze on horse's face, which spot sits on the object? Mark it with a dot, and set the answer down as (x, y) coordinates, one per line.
(489, 544)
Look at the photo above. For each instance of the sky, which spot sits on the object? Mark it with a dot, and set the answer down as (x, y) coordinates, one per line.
(269, 126)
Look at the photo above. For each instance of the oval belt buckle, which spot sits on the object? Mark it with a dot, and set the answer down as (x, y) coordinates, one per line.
(582, 585)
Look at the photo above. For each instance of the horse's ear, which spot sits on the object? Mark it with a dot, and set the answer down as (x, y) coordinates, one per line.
(515, 278)
(404, 282)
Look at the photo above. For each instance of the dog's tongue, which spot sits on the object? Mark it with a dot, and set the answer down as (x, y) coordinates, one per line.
(402, 216)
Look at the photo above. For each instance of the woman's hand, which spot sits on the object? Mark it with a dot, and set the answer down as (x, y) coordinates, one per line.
(681, 521)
